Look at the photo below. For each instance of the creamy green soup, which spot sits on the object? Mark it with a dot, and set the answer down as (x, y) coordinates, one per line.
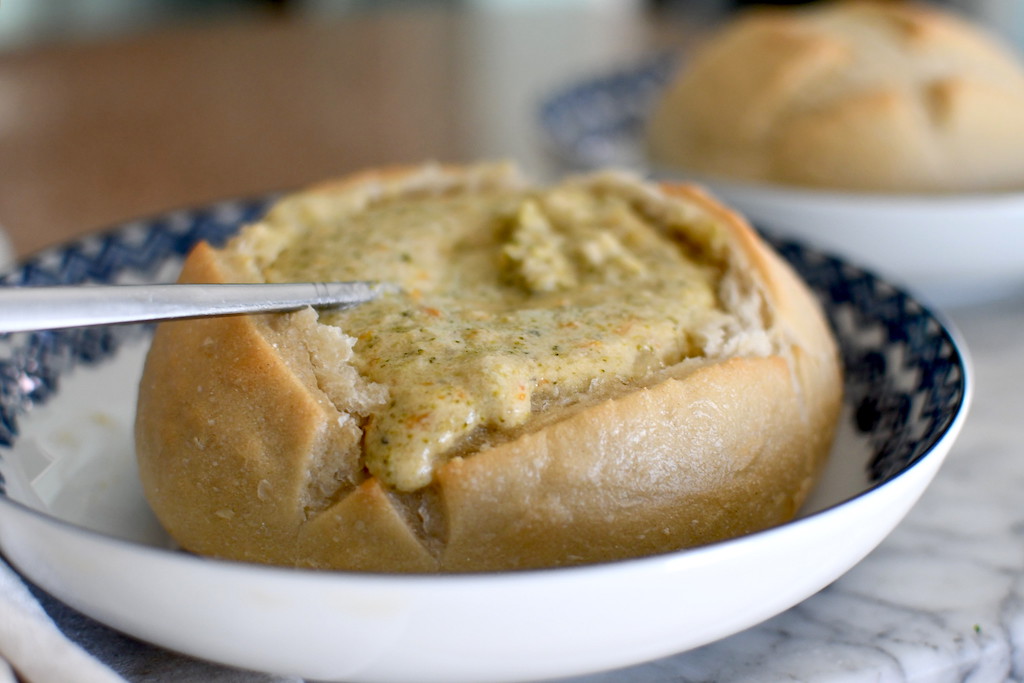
(511, 301)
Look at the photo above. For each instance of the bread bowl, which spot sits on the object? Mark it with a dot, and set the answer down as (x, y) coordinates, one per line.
(642, 373)
(865, 96)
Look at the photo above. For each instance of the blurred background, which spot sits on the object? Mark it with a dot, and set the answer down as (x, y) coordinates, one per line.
(115, 109)
(25, 23)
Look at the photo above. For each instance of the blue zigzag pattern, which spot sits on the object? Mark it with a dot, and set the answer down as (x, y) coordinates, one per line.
(913, 377)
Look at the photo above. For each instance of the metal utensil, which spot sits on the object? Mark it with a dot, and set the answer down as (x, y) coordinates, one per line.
(45, 308)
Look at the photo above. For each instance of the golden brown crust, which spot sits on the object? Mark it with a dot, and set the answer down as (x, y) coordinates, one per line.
(858, 95)
(231, 424)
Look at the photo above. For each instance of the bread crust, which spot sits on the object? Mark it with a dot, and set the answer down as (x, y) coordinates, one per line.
(229, 440)
(856, 95)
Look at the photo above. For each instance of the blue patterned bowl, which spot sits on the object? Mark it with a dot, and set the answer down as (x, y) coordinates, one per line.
(73, 519)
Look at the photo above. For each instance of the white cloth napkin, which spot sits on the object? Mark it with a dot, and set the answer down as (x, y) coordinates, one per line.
(33, 649)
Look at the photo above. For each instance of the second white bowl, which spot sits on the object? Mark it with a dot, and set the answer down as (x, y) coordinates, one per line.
(950, 249)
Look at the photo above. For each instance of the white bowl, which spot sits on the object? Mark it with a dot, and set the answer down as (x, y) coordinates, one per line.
(949, 249)
(74, 521)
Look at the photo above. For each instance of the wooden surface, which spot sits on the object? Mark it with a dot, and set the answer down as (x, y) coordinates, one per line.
(99, 132)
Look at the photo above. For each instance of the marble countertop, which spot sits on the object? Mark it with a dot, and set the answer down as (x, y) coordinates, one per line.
(941, 599)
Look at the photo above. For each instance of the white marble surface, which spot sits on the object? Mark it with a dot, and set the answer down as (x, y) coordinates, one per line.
(942, 599)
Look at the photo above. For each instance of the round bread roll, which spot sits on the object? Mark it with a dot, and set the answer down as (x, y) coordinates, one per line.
(596, 370)
(860, 96)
